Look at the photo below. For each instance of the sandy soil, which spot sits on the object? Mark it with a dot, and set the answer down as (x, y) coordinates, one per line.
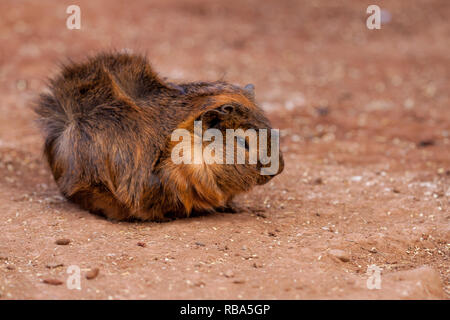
(365, 124)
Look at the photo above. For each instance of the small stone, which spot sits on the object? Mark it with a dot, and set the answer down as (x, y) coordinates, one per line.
(54, 265)
(425, 143)
(341, 255)
(92, 274)
(53, 282)
(260, 214)
(323, 111)
(229, 274)
(200, 244)
(62, 242)
(318, 181)
(141, 244)
(200, 284)
(54, 200)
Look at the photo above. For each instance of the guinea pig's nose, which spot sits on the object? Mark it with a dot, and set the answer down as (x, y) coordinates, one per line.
(263, 179)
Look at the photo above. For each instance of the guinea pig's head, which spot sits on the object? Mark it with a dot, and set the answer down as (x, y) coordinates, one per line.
(226, 147)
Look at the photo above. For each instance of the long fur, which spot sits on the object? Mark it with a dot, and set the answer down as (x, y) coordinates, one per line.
(107, 124)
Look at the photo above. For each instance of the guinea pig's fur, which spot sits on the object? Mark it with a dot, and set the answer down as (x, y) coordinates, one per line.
(107, 125)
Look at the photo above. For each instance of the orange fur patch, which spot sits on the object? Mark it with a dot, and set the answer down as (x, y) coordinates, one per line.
(218, 100)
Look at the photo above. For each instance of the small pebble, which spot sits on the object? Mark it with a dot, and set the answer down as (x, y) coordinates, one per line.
(92, 274)
(318, 181)
(260, 214)
(142, 244)
(199, 284)
(229, 274)
(322, 111)
(62, 242)
(53, 282)
(239, 281)
(341, 255)
(54, 265)
(425, 143)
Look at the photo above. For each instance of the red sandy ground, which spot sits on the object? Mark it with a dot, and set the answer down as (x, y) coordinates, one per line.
(365, 126)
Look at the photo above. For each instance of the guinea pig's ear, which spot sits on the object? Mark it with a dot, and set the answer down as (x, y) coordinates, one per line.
(211, 118)
(250, 89)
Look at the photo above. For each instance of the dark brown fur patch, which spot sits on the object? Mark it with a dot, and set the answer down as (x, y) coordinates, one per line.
(107, 124)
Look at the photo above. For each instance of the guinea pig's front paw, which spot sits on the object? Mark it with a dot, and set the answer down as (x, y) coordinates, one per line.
(231, 207)
(163, 219)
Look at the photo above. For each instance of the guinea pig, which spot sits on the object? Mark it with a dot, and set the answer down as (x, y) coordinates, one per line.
(124, 143)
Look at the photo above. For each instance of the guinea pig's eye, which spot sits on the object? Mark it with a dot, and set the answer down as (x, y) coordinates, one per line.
(226, 109)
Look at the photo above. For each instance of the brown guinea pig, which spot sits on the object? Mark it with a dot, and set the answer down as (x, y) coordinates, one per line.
(111, 136)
